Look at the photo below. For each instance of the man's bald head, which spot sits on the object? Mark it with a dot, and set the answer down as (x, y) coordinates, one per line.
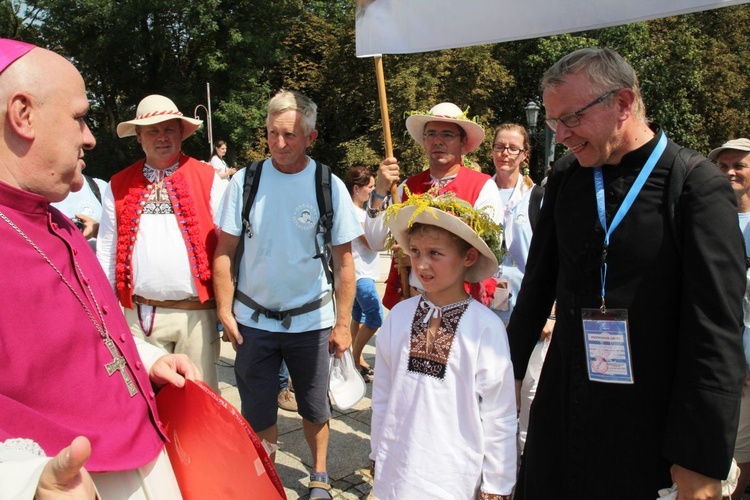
(42, 106)
(39, 72)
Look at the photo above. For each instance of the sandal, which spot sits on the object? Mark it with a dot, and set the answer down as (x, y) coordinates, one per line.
(322, 489)
(366, 373)
(365, 370)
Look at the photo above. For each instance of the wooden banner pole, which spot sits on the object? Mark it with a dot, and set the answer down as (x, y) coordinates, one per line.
(380, 77)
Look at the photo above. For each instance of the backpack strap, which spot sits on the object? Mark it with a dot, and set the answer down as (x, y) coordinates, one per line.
(94, 187)
(685, 161)
(535, 204)
(324, 195)
(284, 316)
(249, 190)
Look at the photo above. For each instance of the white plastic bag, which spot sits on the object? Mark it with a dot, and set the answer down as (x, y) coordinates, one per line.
(345, 384)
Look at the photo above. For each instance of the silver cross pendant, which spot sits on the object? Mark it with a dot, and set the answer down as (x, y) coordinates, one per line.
(119, 364)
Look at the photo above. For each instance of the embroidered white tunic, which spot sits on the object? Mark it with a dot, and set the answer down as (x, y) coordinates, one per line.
(443, 420)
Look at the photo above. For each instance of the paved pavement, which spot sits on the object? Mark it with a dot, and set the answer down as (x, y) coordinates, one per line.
(349, 445)
(348, 448)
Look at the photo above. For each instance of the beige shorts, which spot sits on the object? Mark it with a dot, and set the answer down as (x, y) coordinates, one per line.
(181, 331)
(742, 445)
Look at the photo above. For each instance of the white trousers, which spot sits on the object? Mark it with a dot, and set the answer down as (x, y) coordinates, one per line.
(153, 481)
(528, 389)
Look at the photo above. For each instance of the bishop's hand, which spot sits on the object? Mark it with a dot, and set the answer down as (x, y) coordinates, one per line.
(174, 369)
(64, 477)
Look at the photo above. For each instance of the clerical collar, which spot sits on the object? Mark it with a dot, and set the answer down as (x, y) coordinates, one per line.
(156, 175)
(640, 155)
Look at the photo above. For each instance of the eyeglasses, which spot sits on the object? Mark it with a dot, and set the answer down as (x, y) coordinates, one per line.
(445, 136)
(572, 120)
(512, 150)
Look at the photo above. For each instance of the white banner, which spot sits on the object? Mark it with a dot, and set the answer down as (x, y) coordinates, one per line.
(406, 26)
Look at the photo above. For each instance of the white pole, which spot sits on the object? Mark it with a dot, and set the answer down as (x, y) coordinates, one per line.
(210, 127)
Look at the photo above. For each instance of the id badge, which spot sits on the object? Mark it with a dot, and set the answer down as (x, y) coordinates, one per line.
(501, 300)
(607, 340)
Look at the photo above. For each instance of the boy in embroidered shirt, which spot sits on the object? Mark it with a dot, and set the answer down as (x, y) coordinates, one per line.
(443, 400)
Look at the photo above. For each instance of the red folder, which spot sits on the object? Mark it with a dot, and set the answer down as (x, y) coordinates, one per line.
(214, 452)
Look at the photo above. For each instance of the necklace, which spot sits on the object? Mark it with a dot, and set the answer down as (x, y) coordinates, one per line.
(118, 361)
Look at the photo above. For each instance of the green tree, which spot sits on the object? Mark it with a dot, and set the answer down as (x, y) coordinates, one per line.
(692, 69)
(125, 51)
(131, 48)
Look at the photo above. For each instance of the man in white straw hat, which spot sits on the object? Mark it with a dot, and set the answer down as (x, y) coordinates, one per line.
(157, 237)
(76, 400)
(446, 134)
(733, 158)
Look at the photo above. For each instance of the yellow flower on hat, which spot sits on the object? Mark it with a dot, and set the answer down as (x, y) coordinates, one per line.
(455, 216)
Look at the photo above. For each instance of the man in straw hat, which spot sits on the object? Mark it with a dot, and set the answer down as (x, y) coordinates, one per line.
(157, 237)
(641, 385)
(733, 158)
(444, 377)
(283, 309)
(446, 134)
(76, 385)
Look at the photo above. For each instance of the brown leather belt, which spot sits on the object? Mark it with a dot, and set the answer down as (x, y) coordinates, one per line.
(188, 305)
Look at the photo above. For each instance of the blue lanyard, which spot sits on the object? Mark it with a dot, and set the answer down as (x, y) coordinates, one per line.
(626, 203)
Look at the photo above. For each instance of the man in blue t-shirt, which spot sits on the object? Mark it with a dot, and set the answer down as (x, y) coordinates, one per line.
(285, 311)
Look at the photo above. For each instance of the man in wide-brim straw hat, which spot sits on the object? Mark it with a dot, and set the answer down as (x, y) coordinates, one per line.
(446, 134)
(157, 237)
(155, 109)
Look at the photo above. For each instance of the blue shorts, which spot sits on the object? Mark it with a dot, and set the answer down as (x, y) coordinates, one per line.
(257, 365)
(367, 308)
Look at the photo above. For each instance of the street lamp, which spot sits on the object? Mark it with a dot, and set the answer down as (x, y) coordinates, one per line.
(546, 135)
(532, 115)
(209, 128)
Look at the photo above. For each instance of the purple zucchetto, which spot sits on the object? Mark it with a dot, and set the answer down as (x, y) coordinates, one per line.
(10, 50)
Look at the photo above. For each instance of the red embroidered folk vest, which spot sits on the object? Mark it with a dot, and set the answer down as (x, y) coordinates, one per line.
(189, 190)
(466, 185)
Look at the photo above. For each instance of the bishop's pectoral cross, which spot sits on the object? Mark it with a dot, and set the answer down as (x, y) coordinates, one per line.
(118, 364)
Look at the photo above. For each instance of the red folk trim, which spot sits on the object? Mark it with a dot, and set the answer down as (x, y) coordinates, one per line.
(127, 230)
(187, 217)
(157, 113)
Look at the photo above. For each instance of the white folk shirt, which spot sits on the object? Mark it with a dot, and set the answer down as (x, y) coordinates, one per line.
(443, 427)
(366, 260)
